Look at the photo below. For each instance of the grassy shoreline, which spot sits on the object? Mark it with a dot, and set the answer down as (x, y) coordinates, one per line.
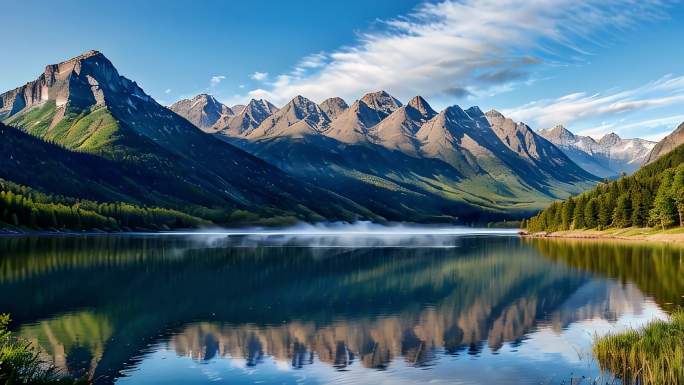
(649, 356)
(674, 235)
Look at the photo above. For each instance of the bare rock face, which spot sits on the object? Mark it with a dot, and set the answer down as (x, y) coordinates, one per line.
(353, 125)
(667, 144)
(203, 111)
(381, 101)
(334, 107)
(81, 82)
(238, 108)
(517, 136)
(422, 106)
(244, 122)
(299, 117)
(398, 130)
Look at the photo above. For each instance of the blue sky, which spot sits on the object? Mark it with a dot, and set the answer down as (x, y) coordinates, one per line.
(595, 66)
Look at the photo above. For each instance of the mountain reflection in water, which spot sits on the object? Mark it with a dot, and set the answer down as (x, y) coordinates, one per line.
(101, 306)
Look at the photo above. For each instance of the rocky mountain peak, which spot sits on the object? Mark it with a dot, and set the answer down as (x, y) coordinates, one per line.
(298, 117)
(334, 107)
(558, 134)
(246, 118)
(494, 114)
(423, 107)
(260, 106)
(455, 113)
(381, 101)
(202, 110)
(302, 107)
(78, 84)
(610, 139)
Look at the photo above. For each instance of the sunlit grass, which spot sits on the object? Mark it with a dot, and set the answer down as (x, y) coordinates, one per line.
(652, 355)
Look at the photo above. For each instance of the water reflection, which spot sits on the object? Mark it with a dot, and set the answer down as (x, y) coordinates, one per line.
(101, 306)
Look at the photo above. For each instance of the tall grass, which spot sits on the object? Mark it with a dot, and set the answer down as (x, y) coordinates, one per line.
(20, 364)
(652, 355)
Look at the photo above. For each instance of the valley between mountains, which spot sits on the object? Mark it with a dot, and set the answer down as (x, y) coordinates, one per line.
(81, 137)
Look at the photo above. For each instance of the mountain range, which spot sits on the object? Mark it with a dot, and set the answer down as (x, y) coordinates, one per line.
(610, 156)
(410, 161)
(83, 130)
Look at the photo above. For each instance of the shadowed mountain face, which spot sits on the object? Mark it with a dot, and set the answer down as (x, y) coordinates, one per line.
(83, 104)
(607, 157)
(298, 301)
(667, 144)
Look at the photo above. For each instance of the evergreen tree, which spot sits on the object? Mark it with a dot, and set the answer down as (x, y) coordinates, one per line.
(578, 217)
(622, 216)
(567, 216)
(591, 213)
(664, 207)
(677, 192)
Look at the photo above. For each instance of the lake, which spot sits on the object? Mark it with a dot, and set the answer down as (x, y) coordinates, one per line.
(348, 307)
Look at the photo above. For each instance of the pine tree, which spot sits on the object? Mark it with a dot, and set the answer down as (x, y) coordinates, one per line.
(578, 217)
(591, 213)
(605, 211)
(622, 216)
(567, 215)
(664, 206)
(677, 192)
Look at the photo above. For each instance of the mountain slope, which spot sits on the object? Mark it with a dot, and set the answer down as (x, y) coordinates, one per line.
(353, 125)
(203, 110)
(334, 107)
(299, 117)
(608, 157)
(410, 163)
(398, 130)
(84, 104)
(246, 118)
(667, 144)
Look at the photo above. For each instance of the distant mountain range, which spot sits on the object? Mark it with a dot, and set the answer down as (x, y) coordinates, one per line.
(409, 161)
(95, 134)
(610, 156)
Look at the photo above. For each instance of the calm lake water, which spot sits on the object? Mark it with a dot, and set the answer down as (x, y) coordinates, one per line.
(394, 308)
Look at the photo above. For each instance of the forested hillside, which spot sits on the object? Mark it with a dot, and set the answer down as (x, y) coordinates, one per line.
(653, 196)
(23, 207)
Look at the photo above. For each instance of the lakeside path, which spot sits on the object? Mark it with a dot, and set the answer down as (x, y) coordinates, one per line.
(675, 235)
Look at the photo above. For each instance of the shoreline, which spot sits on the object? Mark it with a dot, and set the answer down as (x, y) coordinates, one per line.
(670, 236)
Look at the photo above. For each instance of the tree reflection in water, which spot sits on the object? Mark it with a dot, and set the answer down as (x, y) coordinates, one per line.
(96, 304)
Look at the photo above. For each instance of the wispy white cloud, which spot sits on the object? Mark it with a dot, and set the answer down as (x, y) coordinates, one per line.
(650, 129)
(216, 80)
(259, 76)
(608, 107)
(168, 91)
(453, 49)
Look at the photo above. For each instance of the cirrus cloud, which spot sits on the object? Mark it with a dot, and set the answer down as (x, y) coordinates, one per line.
(581, 107)
(478, 46)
